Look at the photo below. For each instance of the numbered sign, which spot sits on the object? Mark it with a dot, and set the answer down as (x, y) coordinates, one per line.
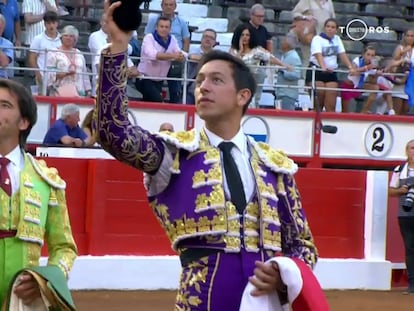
(378, 140)
(256, 127)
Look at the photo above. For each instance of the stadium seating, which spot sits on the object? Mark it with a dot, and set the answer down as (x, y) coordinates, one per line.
(224, 16)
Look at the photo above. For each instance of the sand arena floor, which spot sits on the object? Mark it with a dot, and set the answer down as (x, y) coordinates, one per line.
(164, 300)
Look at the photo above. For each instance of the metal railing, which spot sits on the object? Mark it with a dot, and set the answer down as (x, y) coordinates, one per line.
(310, 88)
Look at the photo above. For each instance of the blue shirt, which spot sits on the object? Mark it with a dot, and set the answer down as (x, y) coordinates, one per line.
(179, 28)
(60, 129)
(10, 11)
(7, 48)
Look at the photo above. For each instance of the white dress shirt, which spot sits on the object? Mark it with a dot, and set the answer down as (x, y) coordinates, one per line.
(15, 167)
(159, 182)
(97, 40)
(241, 156)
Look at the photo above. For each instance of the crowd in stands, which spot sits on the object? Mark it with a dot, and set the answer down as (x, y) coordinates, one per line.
(312, 50)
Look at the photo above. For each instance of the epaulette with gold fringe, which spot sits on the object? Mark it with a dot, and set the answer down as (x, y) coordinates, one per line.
(276, 160)
(49, 174)
(187, 140)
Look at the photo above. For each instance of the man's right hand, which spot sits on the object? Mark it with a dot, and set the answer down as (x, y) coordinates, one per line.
(403, 189)
(179, 57)
(119, 38)
(78, 142)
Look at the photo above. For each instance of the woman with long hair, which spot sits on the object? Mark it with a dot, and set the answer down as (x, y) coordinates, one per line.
(402, 56)
(87, 128)
(325, 50)
(244, 46)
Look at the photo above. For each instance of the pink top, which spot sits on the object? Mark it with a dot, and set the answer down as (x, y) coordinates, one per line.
(149, 64)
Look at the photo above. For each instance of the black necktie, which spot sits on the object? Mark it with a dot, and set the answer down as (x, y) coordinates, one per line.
(233, 178)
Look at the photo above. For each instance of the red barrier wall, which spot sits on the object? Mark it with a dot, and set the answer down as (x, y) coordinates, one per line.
(110, 214)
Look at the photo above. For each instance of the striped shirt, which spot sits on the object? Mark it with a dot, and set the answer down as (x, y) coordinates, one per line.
(35, 7)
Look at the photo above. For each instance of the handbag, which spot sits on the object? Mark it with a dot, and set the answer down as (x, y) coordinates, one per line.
(66, 90)
(305, 30)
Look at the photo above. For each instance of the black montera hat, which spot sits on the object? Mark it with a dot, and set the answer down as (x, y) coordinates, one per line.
(128, 15)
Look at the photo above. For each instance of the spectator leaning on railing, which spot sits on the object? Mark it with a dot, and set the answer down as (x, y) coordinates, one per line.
(158, 50)
(179, 29)
(66, 130)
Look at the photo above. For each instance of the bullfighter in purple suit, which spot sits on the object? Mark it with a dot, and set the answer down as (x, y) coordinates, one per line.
(223, 244)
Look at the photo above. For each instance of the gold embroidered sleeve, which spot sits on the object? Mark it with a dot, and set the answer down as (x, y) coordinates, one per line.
(130, 144)
(297, 240)
(61, 245)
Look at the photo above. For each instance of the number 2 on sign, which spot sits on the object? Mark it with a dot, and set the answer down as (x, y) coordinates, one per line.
(378, 135)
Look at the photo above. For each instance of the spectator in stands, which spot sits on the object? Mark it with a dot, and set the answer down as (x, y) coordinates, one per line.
(66, 130)
(309, 18)
(258, 31)
(403, 55)
(82, 4)
(208, 42)
(325, 49)
(47, 40)
(166, 127)
(6, 50)
(289, 95)
(69, 65)
(245, 47)
(96, 42)
(34, 11)
(132, 69)
(179, 29)
(364, 76)
(62, 11)
(12, 32)
(158, 50)
(400, 184)
(87, 128)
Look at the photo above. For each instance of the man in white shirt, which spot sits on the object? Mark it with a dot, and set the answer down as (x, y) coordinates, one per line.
(97, 41)
(47, 40)
(33, 11)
